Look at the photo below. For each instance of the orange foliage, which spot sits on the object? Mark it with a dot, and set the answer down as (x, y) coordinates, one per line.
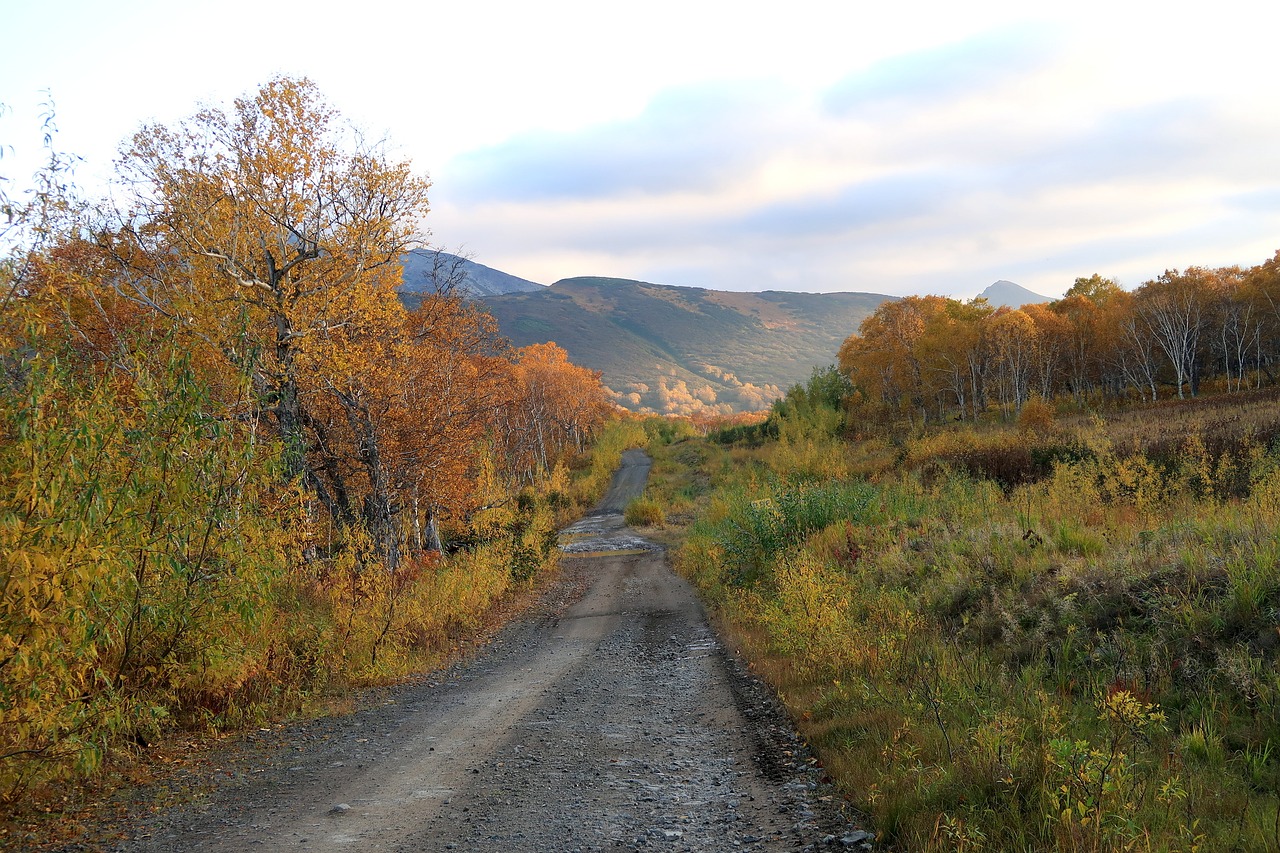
(555, 408)
(939, 357)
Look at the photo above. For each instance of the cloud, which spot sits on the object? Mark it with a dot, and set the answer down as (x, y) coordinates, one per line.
(1262, 200)
(1170, 139)
(874, 202)
(1003, 156)
(966, 69)
(692, 138)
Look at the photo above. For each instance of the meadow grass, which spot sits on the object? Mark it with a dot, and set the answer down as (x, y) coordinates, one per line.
(1059, 637)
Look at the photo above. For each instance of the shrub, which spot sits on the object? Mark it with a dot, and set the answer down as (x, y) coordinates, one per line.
(645, 512)
(756, 530)
(139, 549)
(1036, 417)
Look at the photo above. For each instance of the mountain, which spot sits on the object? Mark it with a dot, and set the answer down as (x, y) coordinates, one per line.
(422, 268)
(685, 349)
(1011, 295)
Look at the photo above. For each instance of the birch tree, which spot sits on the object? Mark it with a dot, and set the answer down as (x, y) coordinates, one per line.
(263, 228)
(1173, 310)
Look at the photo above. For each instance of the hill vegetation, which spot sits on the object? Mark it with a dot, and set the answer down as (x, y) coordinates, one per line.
(684, 350)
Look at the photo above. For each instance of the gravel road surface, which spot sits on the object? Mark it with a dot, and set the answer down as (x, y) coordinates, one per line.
(606, 717)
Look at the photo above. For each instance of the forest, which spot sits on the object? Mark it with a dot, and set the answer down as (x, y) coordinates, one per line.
(235, 472)
(931, 359)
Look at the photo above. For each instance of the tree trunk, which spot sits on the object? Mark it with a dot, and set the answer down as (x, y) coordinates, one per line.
(433, 532)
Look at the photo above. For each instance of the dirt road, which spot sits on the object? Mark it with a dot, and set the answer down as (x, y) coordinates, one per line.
(606, 718)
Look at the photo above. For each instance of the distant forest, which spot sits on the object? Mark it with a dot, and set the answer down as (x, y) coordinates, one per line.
(931, 358)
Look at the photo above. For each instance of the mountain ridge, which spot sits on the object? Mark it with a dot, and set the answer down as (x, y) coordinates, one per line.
(685, 350)
(426, 269)
(667, 348)
(1007, 294)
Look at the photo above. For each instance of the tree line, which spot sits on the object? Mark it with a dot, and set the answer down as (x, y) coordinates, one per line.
(213, 403)
(267, 253)
(932, 358)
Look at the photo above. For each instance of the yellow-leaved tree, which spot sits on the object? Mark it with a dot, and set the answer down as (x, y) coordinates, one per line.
(274, 237)
(226, 448)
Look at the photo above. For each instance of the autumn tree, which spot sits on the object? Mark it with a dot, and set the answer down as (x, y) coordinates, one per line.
(1052, 342)
(35, 214)
(1097, 289)
(885, 355)
(261, 231)
(1174, 310)
(956, 353)
(456, 379)
(1014, 339)
(1136, 355)
(395, 437)
(1263, 282)
(1236, 317)
(556, 407)
(1087, 339)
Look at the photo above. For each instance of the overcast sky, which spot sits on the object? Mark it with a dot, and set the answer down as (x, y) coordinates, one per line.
(895, 148)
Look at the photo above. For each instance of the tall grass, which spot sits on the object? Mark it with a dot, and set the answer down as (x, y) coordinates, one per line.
(1074, 649)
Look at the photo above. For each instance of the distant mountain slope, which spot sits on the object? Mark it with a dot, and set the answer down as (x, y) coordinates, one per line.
(684, 349)
(1011, 295)
(476, 280)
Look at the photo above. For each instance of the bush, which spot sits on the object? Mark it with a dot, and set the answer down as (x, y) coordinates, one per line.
(756, 530)
(644, 512)
(1036, 417)
(139, 548)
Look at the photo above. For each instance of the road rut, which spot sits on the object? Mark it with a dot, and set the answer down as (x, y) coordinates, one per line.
(607, 717)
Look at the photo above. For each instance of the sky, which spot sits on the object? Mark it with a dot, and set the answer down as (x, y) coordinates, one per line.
(927, 147)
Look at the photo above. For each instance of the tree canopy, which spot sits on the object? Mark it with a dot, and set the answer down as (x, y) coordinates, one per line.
(934, 358)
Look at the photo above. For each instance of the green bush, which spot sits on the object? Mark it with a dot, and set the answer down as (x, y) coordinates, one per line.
(757, 530)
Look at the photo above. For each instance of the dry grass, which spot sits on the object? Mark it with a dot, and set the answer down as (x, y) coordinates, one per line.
(1071, 648)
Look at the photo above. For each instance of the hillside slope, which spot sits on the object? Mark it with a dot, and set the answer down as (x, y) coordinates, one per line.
(684, 349)
(422, 268)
